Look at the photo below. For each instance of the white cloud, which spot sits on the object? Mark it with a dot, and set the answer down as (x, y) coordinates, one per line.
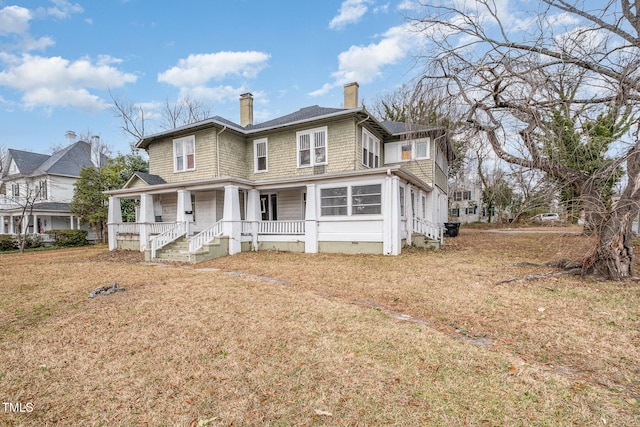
(363, 64)
(408, 5)
(55, 81)
(350, 12)
(197, 70)
(14, 19)
(61, 9)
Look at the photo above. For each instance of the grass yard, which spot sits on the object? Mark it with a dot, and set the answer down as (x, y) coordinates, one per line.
(429, 338)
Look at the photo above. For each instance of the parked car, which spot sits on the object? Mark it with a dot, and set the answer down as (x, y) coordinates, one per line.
(545, 217)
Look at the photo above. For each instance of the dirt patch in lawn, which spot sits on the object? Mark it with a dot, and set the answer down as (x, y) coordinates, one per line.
(271, 338)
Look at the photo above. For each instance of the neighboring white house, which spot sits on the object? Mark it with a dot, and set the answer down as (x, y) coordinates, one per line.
(465, 200)
(317, 180)
(45, 184)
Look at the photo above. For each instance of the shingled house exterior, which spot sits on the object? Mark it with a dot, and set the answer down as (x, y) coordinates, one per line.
(317, 180)
(46, 184)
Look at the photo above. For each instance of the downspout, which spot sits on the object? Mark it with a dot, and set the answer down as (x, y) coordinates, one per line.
(355, 147)
(218, 149)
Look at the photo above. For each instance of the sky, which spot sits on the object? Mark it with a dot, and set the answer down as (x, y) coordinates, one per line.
(61, 61)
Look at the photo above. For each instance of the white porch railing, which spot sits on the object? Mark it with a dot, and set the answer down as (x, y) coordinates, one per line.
(134, 227)
(205, 236)
(429, 229)
(281, 227)
(168, 236)
(127, 228)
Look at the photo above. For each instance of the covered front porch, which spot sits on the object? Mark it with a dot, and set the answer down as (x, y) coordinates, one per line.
(43, 217)
(377, 214)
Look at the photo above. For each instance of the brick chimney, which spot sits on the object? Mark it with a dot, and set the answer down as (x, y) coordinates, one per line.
(246, 109)
(351, 95)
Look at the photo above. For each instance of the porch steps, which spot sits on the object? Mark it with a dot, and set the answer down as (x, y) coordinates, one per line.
(422, 241)
(178, 251)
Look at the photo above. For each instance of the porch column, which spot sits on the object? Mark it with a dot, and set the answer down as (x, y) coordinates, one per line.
(231, 223)
(12, 225)
(36, 230)
(311, 221)
(184, 213)
(114, 217)
(70, 222)
(408, 211)
(25, 224)
(2, 231)
(253, 216)
(391, 216)
(145, 217)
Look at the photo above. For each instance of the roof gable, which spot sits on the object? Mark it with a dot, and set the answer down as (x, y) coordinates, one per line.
(25, 161)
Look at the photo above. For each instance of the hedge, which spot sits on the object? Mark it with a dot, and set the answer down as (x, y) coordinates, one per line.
(69, 237)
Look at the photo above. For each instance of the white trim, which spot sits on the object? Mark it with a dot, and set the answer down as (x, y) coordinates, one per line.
(369, 140)
(184, 143)
(257, 142)
(313, 146)
(393, 150)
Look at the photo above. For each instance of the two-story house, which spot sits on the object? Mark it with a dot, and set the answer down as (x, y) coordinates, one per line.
(36, 189)
(317, 180)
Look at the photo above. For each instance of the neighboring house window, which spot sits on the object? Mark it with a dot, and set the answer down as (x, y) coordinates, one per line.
(333, 201)
(260, 155)
(370, 149)
(312, 147)
(462, 195)
(184, 153)
(366, 199)
(470, 211)
(15, 190)
(43, 189)
(402, 213)
(455, 212)
(405, 151)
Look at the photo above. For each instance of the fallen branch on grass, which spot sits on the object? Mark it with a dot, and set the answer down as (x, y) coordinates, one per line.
(106, 290)
(570, 271)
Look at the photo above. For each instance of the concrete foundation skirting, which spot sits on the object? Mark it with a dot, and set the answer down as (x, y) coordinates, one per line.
(351, 247)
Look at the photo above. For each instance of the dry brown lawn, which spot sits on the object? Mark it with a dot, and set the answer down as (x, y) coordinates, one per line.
(429, 338)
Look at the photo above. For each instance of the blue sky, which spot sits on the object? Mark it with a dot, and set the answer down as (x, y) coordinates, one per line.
(60, 58)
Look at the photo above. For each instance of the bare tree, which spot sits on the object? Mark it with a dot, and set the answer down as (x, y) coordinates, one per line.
(131, 115)
(504, 76)
(183, 112)
(25, 195)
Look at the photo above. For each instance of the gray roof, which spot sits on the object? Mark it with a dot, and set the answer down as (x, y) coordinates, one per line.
(150, 178)
(400, 128)
(303, 114)
(26, 161)
(69, 161)
(52, 206)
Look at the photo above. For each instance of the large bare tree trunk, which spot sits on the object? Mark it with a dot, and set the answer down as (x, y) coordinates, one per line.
(613, 256)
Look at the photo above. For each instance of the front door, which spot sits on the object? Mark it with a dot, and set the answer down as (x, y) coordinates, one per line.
(269, 207)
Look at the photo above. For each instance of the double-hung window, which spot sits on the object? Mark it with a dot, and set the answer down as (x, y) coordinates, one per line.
(405, 151)
(312, 147)
(370, 149)
(184, 154)
(15, 190)
(260, 155)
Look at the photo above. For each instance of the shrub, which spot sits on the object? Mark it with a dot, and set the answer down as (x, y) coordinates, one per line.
(7, 243)
(69, 237)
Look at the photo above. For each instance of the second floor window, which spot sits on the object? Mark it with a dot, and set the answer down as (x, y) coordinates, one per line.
(405, 151)
(312, 147)
(260, 155)
(370, 149)
(184, 154)
(42, 189)
(15, 190)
